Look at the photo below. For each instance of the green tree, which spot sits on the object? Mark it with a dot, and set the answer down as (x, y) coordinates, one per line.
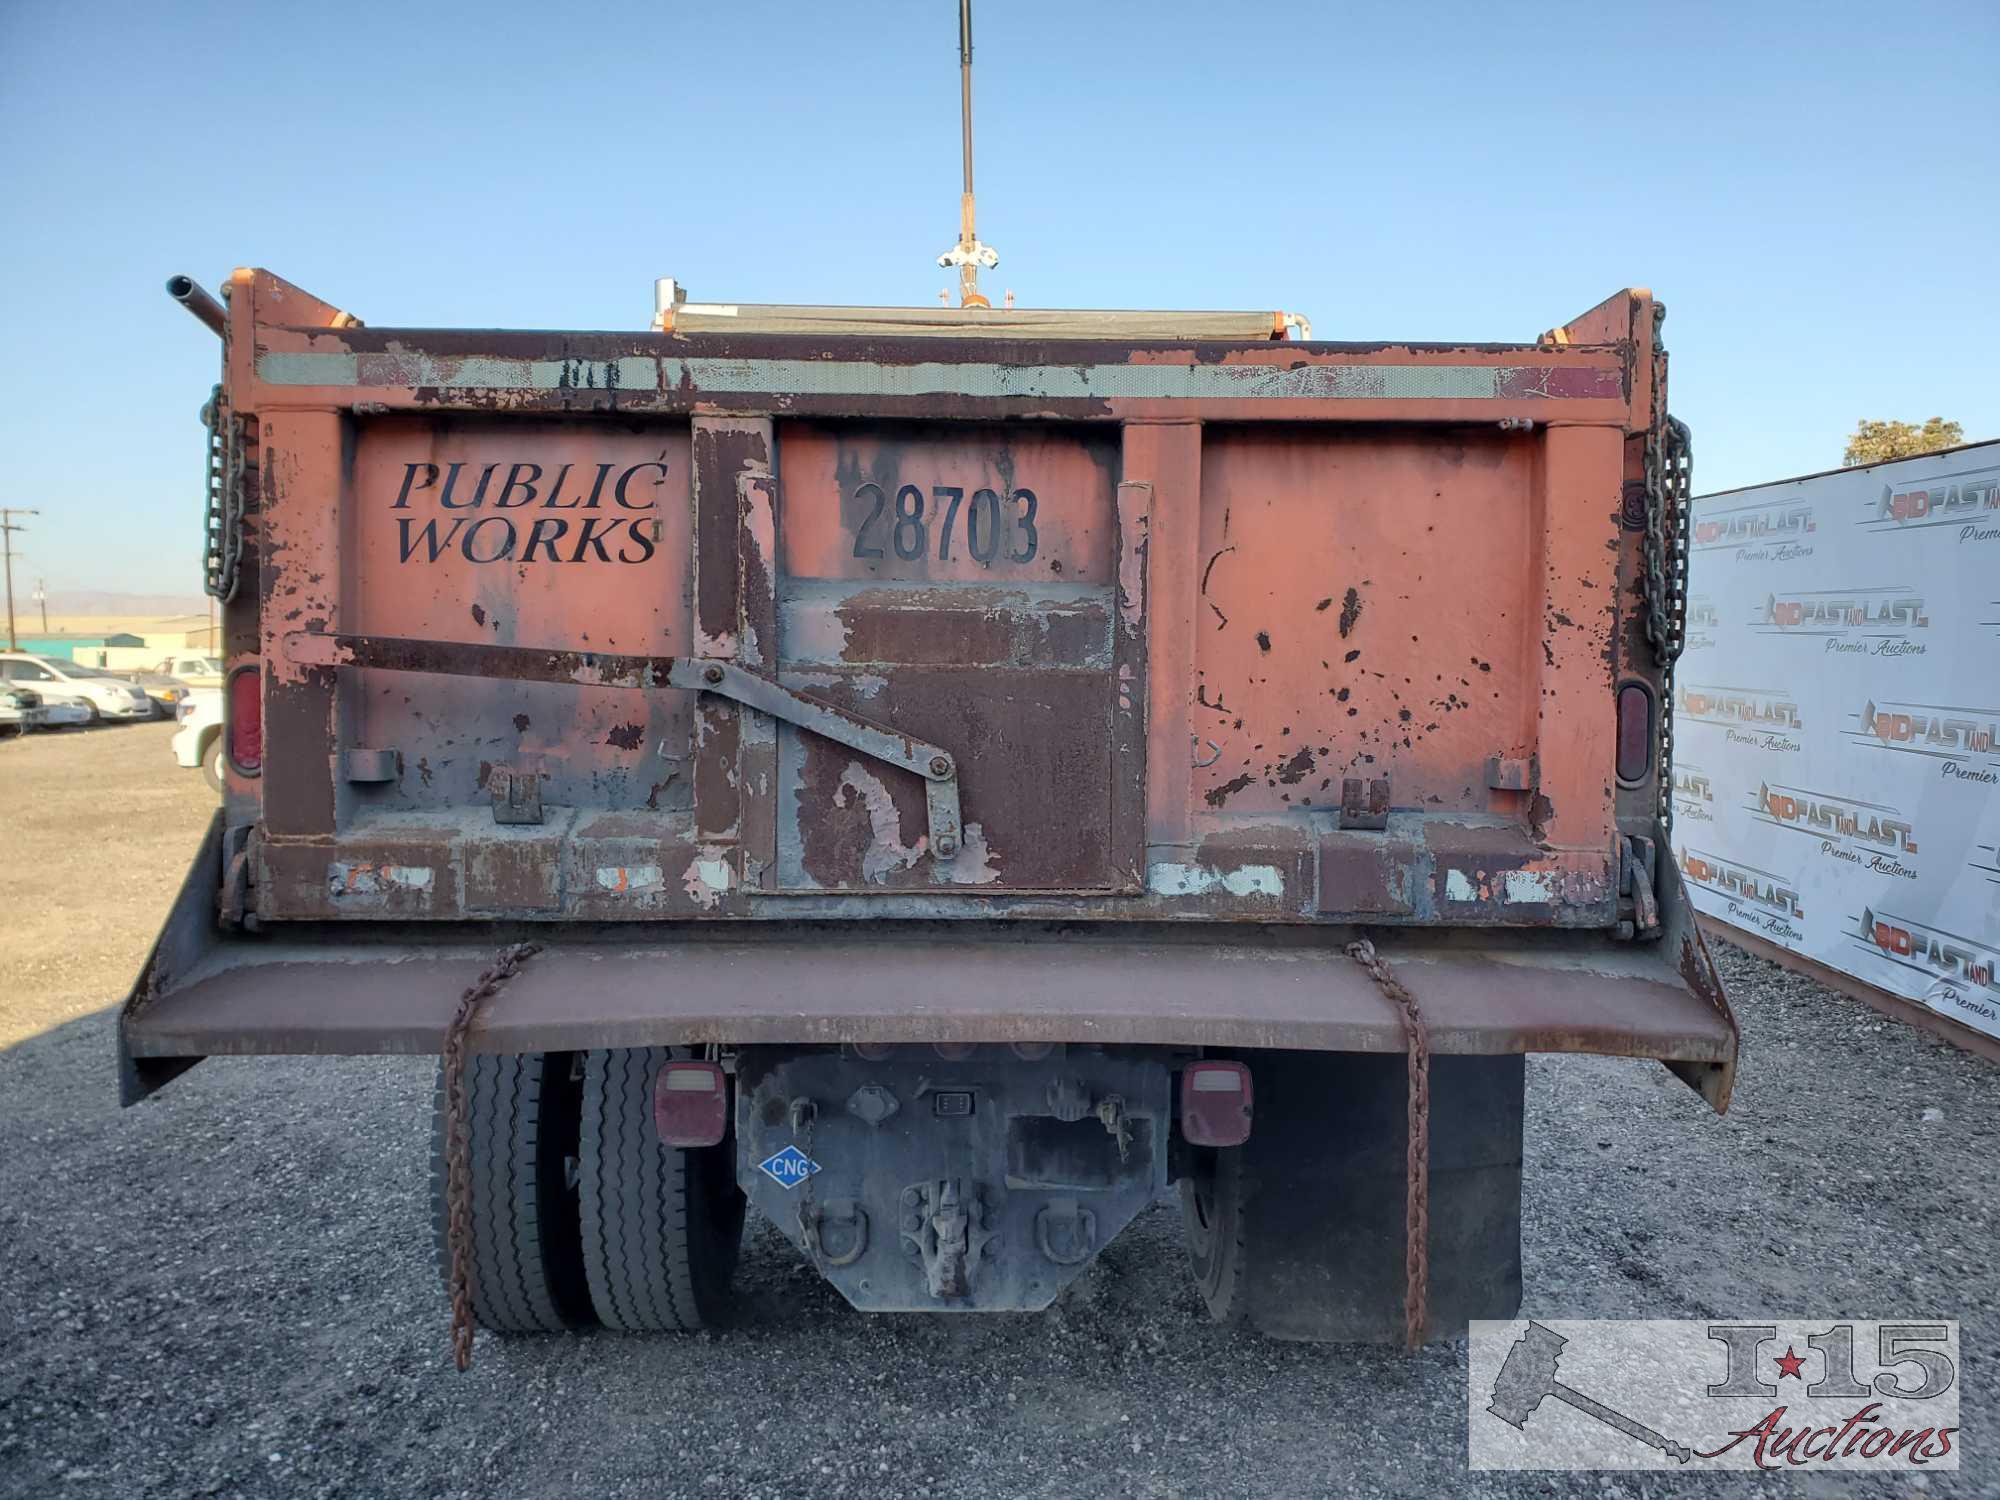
(1878, 442)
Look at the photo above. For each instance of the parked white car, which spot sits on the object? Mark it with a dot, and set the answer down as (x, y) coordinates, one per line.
(198, 742)
(59, 681)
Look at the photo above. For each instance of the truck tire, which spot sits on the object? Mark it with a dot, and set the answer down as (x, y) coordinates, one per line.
(211, 761)
(661, 1224)
(1300, 1230)
(527, 1253)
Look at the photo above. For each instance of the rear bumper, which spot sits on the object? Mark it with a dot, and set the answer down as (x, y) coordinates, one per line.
(1482, 993)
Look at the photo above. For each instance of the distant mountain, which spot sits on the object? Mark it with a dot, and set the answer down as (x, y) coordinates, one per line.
(110, 602)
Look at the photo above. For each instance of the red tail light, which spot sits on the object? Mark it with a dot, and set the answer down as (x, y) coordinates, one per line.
(690, 1103)
(1215, 1104)
(1635, 732)
(246, 720)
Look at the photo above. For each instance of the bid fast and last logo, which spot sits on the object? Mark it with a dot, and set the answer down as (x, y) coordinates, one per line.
(1873, 835)
(1763, 718)
(1963, 742)
(1757, 532)
(1694, 796)
(1758, 899)
(1967, 501)
(1960, 970)
(1850, 622)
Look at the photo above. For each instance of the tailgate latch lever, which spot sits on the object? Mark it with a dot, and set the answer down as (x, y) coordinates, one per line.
(316, 648)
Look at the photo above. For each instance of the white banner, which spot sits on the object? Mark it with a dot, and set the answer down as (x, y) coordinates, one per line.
(1837, 723)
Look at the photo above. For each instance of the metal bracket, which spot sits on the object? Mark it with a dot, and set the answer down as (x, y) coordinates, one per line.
(1364, 804)
(370, 765)
(1065, 1233)
(517, 794)
(696, 674)
(1513, 773)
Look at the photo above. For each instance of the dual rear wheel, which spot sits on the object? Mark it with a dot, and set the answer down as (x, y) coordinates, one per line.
(580, 1215)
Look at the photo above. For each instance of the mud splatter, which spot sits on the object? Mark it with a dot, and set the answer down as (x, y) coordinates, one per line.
(1350, 611)
(1228, 789)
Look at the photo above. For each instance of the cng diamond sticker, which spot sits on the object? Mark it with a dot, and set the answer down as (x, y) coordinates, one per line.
(788, 1168)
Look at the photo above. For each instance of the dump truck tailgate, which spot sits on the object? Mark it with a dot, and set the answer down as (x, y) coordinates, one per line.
(1259, 632)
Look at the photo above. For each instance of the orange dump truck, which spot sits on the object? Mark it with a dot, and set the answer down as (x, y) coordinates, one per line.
(944, 777)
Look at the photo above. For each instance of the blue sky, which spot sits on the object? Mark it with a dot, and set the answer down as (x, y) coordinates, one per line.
(1812, 189)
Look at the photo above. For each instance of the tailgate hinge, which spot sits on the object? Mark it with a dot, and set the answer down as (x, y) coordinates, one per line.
(1636, 880)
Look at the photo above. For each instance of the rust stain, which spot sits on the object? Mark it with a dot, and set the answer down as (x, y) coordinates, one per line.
(1350, 612)
(1216, 796)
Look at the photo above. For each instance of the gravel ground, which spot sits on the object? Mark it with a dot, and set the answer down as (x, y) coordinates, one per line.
(229, 1291)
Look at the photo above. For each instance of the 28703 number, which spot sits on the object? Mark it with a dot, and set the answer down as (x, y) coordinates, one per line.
(907, 527)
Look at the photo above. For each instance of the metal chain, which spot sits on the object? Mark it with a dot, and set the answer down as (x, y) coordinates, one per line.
(222, 526)
(1417, 1221)
(805, 1115)
(457, 1145)
(1669, 518)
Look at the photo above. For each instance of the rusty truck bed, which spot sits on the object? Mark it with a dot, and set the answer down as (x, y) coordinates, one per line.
(611, 638)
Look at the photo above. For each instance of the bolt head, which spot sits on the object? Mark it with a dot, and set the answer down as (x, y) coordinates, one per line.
(947, 847)
(940, 765)
(711, 674)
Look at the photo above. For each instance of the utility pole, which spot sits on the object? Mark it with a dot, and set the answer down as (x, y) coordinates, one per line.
(7, 530)
(968, 254)
(41, 597)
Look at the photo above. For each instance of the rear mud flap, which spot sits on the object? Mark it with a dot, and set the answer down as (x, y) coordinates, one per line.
(188, 936)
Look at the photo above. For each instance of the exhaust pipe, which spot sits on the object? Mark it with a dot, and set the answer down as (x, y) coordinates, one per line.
(212, 313)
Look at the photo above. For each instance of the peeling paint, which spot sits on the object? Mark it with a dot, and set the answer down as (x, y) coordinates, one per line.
(974, 864)
(343, 879)
(1197, 880)
(1529, 885)
(622, 879)
(886, 852)
(708, 877)
(1457, 887)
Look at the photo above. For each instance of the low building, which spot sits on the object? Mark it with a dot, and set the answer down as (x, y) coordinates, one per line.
(85, 650)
